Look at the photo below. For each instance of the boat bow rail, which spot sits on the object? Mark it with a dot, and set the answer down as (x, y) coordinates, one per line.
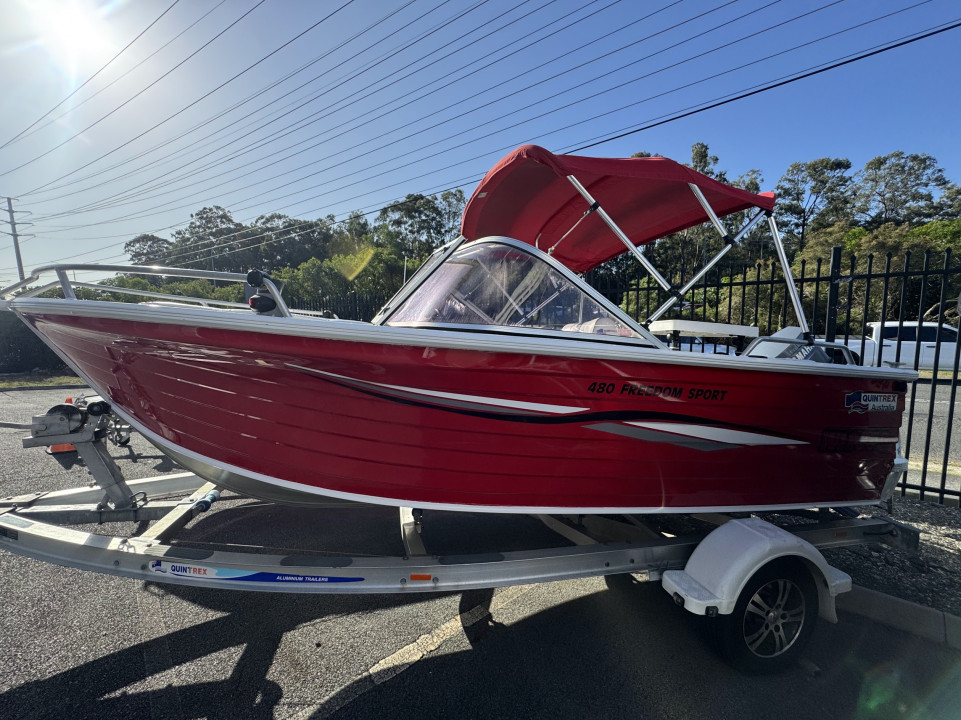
(256, 280)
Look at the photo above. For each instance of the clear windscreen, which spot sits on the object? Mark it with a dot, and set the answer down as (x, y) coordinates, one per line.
(495, 284)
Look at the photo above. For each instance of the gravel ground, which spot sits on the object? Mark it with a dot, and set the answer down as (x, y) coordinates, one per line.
(931, 577)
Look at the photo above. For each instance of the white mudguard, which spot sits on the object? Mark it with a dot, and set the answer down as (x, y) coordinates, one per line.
(725, 560)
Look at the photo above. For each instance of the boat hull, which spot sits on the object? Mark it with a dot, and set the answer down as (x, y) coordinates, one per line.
(465, 423)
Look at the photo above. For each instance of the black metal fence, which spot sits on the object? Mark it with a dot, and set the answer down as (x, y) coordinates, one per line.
(916, 299)
(350, 306)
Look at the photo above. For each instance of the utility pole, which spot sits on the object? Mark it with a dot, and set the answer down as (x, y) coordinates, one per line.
(16, 239)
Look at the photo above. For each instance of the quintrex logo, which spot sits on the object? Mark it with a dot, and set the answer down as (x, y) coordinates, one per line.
(862, 402)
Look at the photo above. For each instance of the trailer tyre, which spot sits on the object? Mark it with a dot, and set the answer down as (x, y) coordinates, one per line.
(772, 620)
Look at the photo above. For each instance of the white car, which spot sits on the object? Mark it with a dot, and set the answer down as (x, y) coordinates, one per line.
(914, 341)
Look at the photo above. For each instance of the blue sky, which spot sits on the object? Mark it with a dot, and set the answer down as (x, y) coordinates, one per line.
(222, 103)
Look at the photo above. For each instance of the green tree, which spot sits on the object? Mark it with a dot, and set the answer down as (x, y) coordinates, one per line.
(210, 241)
(310, 281)
(889, 246)
(451, 204)
(948, 206)
(277, 240)
(148, 250)
(418, 224)
(812, 195)
(352, 235)
(898, 188)
(703, 162)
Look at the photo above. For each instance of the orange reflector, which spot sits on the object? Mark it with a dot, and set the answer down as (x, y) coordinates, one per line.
(62, 448)
(420, 577)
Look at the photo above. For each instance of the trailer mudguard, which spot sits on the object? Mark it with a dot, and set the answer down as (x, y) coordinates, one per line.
(721, 565)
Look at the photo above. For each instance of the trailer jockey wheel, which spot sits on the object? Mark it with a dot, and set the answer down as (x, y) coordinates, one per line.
(98, 408)
(772, 620)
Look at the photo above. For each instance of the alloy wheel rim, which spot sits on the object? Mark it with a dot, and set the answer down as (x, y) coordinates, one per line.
(773, 618)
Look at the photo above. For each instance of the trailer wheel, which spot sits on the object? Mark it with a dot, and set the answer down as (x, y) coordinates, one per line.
(772, 620)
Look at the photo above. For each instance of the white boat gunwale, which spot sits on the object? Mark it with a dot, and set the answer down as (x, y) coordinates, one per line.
(509, 340)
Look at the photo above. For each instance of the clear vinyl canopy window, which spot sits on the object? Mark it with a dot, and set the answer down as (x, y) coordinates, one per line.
(493, 284)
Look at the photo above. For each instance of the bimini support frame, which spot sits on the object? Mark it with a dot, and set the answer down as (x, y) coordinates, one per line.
(678, 293)
(596, 207)
(729, 243)
(789, 278)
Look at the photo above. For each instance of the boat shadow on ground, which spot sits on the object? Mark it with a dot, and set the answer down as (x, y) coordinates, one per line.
(113, 686)
(162, 464)
(629, 653)
(624, 652)
(154, 678)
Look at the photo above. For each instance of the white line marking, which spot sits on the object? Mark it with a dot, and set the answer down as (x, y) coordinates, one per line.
(396, 663)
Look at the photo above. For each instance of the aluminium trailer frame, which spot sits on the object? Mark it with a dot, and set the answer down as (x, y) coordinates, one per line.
(28, 526)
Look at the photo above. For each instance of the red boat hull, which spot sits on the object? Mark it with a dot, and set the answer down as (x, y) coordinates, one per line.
(432, 426)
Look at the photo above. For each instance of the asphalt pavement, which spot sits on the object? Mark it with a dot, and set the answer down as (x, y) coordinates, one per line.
(75, 644)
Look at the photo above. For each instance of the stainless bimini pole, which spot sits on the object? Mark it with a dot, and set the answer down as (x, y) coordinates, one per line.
(789, 279)
(595, 206)
(729, 242)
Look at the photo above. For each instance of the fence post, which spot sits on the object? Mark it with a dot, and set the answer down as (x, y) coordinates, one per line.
(834, 282)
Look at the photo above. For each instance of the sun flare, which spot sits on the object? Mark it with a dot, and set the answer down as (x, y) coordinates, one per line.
(73, 33)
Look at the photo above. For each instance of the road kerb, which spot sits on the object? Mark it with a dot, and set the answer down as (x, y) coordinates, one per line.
(924, 622)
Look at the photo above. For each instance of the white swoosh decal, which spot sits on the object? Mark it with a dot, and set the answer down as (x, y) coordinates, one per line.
(716, 434)
(446, 398)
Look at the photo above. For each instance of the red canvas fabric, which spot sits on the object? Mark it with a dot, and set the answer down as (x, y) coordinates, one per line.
(527, 196)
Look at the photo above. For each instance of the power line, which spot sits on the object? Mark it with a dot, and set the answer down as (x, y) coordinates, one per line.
(217, 116)
(85, 82)
(205, 96)
(463, 112)
(126, 102)
(767, 88)
(126, 197)
(386, 57)
(754, 91)
(528, 120)
(129, 71)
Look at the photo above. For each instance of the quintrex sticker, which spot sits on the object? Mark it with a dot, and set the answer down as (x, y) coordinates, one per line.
(184, 570)
(862, 402)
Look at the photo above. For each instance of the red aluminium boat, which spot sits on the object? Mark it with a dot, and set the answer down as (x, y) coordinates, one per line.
(496, 379)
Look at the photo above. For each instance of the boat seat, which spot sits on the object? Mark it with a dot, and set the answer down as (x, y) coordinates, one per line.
(780, 348)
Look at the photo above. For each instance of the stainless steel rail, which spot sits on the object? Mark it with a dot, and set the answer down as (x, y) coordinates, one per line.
(68, 287)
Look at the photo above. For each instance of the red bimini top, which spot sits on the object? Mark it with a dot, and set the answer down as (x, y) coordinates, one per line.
(527, 196)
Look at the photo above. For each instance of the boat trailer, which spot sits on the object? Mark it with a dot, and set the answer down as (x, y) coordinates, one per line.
(716, 565)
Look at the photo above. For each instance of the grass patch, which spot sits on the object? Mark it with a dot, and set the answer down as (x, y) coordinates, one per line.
(37, 380)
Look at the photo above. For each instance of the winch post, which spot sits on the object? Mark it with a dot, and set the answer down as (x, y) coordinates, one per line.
(105, 471)
(49, 430)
